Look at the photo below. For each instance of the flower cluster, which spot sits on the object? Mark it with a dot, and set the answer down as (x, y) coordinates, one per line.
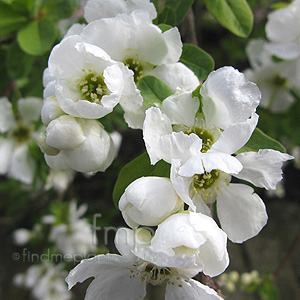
(199, 130)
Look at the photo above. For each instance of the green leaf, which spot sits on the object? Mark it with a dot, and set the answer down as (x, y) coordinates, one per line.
(137, 168)
(197, 60)
(38, 36)
(3, 72)
(19, 63)
(59, 9)
(164, 27)
(235, 15)
(260, 140)
(180, 7)
(167, 16)
(10, 20)
(196, 93)
(153, 90)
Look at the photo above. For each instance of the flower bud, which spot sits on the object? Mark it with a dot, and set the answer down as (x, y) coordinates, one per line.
(149, 201)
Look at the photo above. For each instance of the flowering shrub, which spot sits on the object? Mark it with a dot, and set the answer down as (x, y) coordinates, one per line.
(194, 187)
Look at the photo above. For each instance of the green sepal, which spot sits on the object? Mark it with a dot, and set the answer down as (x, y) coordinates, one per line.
(137, 168)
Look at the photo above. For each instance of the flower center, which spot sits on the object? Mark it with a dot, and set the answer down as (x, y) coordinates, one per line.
(93, 88)
(205, 135)
(155, 275)
(136, 67)
(205, 181)
(21, 134)
(279, 81)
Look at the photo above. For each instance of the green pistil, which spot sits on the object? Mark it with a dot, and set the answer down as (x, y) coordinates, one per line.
(93, 88)
(156, 273)
(205, 181)
(205, 135)
(136, 67)
(21, 134)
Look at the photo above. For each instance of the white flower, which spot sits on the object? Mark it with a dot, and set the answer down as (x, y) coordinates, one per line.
(142, 47)
(75, 236)
(132, 274)
(274, 79)
(98, 9)
(21, 236)
(88, 83)
(15, 159)
(283, 30)
(149, 201)
(178, 132)
(45, 281)
(205, 178)
(195, 236)
(80, 144)
(59, 180)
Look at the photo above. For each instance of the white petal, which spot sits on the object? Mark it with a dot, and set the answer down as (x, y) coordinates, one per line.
(190, 290)
(75, 29)
(178, 231)
(47, 77)
(286, 51)
(235, 136)
(22, 165)
(117, 141)
(65, 133)
(176, 76)
(181, 108)
(228, 97)
(174, 44)
(256, 53)
(181, 184)
(30, 108)
(95, 10)
(95, 154)
(7, 119)
(210, 161)
(135, 118)
(118, 30)
(262, 168)
(131, 99)
(163, 258)
(56, 162)
(66, 60)
(149, 201)
(241, 212)
(108, 270)
(50, 110)
(6, 152)
(162, 143)
(282, 21)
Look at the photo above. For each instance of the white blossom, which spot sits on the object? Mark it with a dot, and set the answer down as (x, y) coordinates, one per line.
(133, 274)
(89, 84)
(274, 79)
(80, 144)
(15, 159)
(280, 22)
(75, 236)
(46, 281)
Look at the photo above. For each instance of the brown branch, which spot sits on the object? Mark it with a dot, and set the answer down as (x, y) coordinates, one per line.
(188, 28)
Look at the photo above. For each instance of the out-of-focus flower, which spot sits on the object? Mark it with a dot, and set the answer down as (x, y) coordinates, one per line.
(15, 159)
(46, 281)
